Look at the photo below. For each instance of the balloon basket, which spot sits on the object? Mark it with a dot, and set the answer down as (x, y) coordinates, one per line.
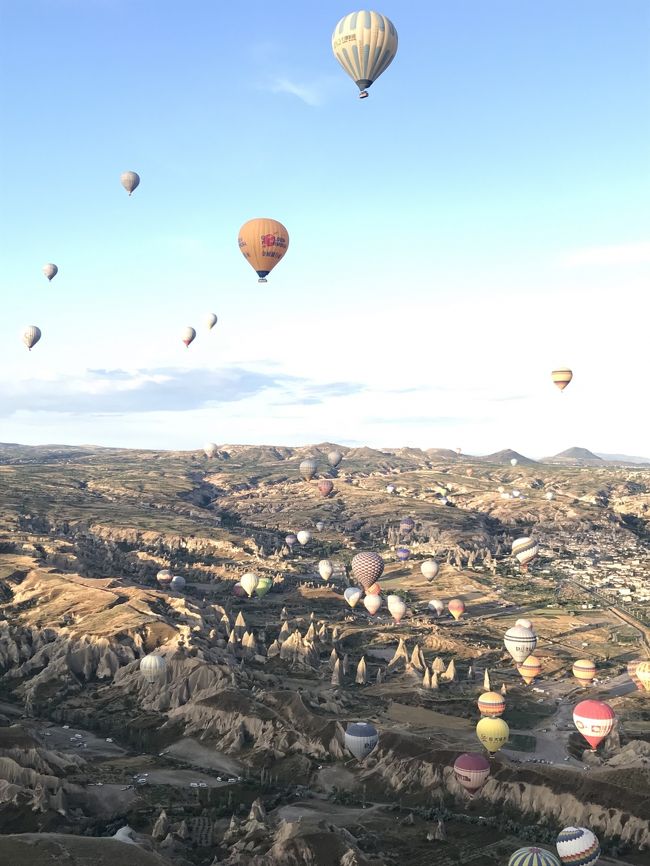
(363, 94)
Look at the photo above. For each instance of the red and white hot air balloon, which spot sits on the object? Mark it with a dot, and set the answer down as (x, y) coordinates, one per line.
(471, 771)
(325, 487)
(594, 720)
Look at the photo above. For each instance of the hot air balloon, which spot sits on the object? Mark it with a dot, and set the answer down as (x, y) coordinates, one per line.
(153, 668)
(525, 623)
(375, 589)
(406, 525)
(577, 846)
(516, 494)
(430, 569)
(403, 553)
(459, 451)
(561, 377)
(436, 607)
(290, 540)
(529, 669)
(520, 642)
(334, 458)
(249, 581)
(390, 488)
(263, 242)
(524, 549)
(177, 583)
(130, 181)
(549, 495)
(514, 461)
(210, 449)
(304, 537)
(164, 577)
(325, 487)
(493, 733)
(594, 720)
(365, 44)
(308, 468)
(50, 270)
(320, 526)
(325, 569)
(469, 472)
(187, 336)
(471, 771)
(584, 670)
(456, 608)
(533, 856)
(396, 607)
(210, 320)
(238, 591)
(353, 595)
(360, 739)
(372, 603)
(264, 584)
(642, 674)
(31, 336)
(491, 704)
(367, 568)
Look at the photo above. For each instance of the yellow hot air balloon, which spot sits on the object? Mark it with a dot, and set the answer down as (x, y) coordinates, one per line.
(643, 674)
(263, 242)
(584, 670)
(493, 733)
(561, 378)
(365, 44)
(529, 669)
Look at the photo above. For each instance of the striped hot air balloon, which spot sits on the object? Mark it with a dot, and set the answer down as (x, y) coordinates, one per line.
(308, 468)
(365, 44)
(577, 846)
(524, 550)
(471, 771)
(164, 577)
(584, 670)
(406, 525)
(153, 667)
(360, 739)
(529, 669)
(325, 487)
(561, 377)
(491, 704)
(594, 720)
(532, 856)
(456, 608)
(642, 674)
(520, 642)
(367, 568)
(31, 336)
(263, 242)
(403, 553)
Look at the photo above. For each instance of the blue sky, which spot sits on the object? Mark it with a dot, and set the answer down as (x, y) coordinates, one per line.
(480, 219)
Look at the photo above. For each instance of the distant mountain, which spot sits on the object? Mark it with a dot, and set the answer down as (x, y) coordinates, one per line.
(623, 458)
(506, 456)
(576, 456)
(442, 453)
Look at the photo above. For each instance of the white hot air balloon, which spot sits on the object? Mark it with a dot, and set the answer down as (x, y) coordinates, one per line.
(334, 458)
(353, 595)
(153, 668)
(178, 583)
(130, 181)
(549, 495)
(249, 581)
(514, 461)
(210, 321)
(325, 569)
(520, 643)
(31, 336)
(390, 488)
(360, 739)
(525, 623)
(210, 449)
(188, 335)
(320, 526)
(364, 43)
(396, 607)
(50, 270)
(435, 606)
(430, 569)
(304, 536)
(372, 603)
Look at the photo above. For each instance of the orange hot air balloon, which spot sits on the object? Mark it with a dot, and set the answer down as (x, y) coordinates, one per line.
(561, 378)
(263, 242)
(491, 704)
(584, 670)
(456, 608)
(642, 673)
(529, 669)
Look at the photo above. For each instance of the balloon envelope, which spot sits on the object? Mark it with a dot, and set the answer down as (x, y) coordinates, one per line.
(130, 181)
(514, 461)
(325, 487)
(153, 667)
(365, 44)
(263, 242)
(264, 584)
(188, 335)
(210, 321)
(249, 581)
(210, 449)
(320, 526)
(524, 549)
(367, 568)
(403, 553)
(520, 642)
(372, 603)
(334, 458)
(50, 270)
(325, 569)
(530, 668)
(390, 488)
(396, 607)
(594, 720)
(436, 606)
(164, 577)
(532, 856)
(407, 524)
(290, 540)
(525, 623)
(360, 739)
(491, 704)
(352, 595)
(430, 569)
(178, 583)
(642, 674)
(561, 377)
(584, 670)
(304, 537)
(471, 771)
(456, 608)
(493, 733)
(577, 846)
(31, 336)
(308, 468)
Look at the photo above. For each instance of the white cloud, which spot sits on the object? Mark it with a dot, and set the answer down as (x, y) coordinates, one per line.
(615, 254)
(312, 93)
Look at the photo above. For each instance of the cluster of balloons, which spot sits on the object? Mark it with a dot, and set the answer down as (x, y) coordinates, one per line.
(576, 846)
